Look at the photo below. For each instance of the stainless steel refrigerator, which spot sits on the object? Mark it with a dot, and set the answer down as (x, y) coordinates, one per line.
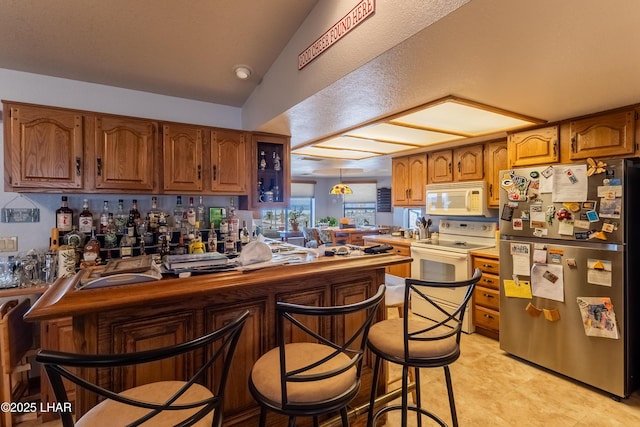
(569, 263)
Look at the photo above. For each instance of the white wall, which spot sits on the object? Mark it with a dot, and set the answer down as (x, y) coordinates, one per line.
(32, 88)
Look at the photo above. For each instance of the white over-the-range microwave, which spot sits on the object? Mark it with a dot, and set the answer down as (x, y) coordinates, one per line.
(458, 199)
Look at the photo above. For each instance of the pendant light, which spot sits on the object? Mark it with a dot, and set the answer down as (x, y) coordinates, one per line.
(341, 188)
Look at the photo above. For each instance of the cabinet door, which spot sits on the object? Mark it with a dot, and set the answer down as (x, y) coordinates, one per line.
(400, 181)
(534, 147)
(417, 179)
(496, 159)
(44, 148)
(469, 164)
(182, 154)
(608, 135)
(56, 335)
(253, 343)
(147, 334)
(228, 161)
(124, 150)
(440, 166)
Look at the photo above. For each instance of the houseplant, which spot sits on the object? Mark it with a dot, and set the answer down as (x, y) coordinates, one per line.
(295, 216)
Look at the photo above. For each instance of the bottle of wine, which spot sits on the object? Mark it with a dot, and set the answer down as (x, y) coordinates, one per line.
(104, 217)
(212, 241)
(244, 234)
(85, 219)
(120, 218)
(64, 216)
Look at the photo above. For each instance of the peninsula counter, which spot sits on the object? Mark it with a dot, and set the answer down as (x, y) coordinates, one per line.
(141, 316)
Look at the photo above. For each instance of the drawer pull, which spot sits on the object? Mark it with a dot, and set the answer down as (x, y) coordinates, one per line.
(487, 265)
(488, 281)
(487, 295)
(488, 316)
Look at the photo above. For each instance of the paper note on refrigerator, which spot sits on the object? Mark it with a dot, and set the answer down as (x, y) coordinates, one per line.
(520, 256)
(520, 290)
(570, 183)
(547, 281)
(598, 317)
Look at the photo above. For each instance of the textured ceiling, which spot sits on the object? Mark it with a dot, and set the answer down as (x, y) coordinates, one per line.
(547, 59)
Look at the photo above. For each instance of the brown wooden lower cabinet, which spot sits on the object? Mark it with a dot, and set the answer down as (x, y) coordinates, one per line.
(150, 324)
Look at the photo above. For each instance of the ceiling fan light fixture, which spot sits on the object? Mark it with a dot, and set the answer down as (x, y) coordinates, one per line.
(243, 72)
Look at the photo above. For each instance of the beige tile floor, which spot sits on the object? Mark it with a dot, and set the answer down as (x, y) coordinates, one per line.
(495, 389)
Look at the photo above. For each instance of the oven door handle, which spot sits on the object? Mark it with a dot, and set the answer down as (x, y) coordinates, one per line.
(422, 253)
(467, 200)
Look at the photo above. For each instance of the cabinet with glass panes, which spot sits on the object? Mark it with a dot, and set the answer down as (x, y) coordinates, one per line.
(271, 175)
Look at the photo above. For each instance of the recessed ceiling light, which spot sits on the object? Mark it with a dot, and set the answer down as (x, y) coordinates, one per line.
(243, 72)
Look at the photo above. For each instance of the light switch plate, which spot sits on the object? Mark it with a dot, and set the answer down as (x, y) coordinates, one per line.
(9, 244)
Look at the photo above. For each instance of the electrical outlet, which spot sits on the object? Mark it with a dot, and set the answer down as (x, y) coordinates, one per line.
(9, 244)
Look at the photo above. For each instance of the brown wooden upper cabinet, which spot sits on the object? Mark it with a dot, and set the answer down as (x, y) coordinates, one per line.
(409, 177)
(182, 147)
(229, 159)
(270, 171)
(605, 135)
(43, 148)
(124, 153)
(496, 159)
(460, 164)
(534, 147)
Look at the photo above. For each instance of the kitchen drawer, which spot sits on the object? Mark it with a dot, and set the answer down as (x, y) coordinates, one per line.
(486, 318)
(487, 265)
(402, 250)
(486, 297)
(490, 281)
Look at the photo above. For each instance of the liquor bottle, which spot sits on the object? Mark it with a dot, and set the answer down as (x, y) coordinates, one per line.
(212, 241)
(126, 243)
(191, 213)
(85, 219)
(110, 235)
(244, 234)
(164, 246)
(181, 248)
(91, 252)
(64, 216)
(133, 221)
(104, 217)
(154, 215)
(178, 213)
(145, 231)
(201, 214)
(234, 221)
(120, 218)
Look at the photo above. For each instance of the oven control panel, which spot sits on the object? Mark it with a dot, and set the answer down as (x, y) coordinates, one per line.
(468, 228)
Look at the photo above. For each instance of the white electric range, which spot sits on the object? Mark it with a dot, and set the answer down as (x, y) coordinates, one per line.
(448, 259)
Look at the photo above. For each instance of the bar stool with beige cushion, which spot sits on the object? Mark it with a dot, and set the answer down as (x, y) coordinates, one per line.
(185, 402)
(415, 341)
(311, 372)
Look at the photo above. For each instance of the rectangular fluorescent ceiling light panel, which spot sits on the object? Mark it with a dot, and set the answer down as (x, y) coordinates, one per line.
(403, 134)
(464, 118)
(333, 153)
(360, 144)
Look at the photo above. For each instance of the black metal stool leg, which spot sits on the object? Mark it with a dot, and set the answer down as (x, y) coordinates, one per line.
(418, 397)
(344, 416)
(374, 386)
(263, 417)
(405, 393)
(452, 403)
